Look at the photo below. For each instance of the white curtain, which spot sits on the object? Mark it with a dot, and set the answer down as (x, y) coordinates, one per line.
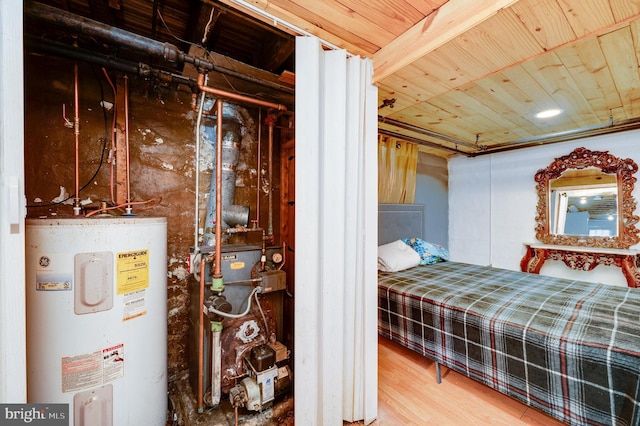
(336, 237)
(13, 347)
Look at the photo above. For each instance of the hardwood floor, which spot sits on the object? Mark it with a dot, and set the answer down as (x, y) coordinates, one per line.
(409, 395)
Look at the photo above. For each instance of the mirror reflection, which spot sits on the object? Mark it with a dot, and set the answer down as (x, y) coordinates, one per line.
(585, 212)
(584, 202)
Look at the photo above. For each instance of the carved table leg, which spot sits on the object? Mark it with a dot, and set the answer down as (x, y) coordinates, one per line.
(533, 260)
(628, 265)
(524, 263)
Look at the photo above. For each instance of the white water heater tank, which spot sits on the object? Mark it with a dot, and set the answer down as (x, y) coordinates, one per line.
(97, 318)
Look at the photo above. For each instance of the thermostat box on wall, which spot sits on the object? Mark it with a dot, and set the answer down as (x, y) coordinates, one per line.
(273, 280)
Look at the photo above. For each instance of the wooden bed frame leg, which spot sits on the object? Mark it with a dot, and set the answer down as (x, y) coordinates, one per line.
(438, 377)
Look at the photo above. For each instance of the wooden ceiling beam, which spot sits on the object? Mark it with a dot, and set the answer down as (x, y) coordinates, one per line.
(276, 53)
(285, 16)
(448, 22)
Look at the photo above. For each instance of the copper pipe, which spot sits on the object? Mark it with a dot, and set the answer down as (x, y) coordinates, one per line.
(126, 141)
(200, 391)
(237, 97)
(263, 256)
(76, 134)
(113, 133)
(272, 122)
(284, 255)
(217, 273)
(259, 168)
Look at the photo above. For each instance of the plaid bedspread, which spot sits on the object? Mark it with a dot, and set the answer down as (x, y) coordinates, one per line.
(569, 348)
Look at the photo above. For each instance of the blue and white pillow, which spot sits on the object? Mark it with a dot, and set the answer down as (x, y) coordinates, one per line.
(430, 253)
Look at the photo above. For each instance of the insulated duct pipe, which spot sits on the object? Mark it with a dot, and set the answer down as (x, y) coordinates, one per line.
(232, 215)
(61, 49)
(92, 28)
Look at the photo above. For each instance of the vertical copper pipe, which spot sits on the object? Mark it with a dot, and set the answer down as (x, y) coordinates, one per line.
(217, 273)
(113, 133)
(270, 165)
(259, 168)
(76, 134)
(126, 140)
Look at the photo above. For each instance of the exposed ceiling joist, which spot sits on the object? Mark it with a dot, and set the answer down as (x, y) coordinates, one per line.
(443, 25)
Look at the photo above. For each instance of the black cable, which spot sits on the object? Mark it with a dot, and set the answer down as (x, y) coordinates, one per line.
(104, 147)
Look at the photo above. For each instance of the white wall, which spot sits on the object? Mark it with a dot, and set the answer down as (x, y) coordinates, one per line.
(492, 204)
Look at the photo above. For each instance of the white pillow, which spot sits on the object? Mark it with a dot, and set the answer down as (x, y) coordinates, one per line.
(396, 256)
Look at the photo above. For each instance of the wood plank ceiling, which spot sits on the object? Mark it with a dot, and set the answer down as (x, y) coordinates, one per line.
(461, 76)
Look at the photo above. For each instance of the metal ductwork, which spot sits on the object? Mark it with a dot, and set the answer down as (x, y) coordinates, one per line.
(232, 215)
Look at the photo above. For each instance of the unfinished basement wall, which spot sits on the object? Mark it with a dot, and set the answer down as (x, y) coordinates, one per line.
(162, 152)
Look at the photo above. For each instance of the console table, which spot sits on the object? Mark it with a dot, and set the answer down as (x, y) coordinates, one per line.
(583, 259)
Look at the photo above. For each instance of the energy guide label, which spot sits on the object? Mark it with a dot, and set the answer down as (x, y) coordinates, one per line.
(132, 270)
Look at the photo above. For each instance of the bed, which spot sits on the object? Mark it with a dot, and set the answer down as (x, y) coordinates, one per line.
(568, 348)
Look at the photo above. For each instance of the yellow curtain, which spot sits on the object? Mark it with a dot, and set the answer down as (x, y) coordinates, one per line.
(397, 163)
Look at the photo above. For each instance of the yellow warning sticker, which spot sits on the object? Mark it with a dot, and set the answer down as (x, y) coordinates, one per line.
(132, 269)
(236, 265)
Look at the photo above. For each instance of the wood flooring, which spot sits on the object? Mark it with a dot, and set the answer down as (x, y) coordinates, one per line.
(409, 395)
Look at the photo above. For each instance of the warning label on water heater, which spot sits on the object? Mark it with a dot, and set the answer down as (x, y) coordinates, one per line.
(132, 269)
(92, 369)
(81, 371)
(134, 305)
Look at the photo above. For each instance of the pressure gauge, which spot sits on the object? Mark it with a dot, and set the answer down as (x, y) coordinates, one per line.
(277, 257)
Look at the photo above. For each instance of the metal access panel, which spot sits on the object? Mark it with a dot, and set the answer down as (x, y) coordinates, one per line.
(93, 282)
(237, 261)
(94, 407)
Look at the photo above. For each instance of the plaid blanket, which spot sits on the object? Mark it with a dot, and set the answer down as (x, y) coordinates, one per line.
(569, 348)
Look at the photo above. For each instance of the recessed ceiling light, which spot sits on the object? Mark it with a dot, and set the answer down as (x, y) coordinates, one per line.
(549, 113)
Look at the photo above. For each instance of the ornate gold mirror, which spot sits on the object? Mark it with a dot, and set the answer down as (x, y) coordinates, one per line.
(585, 199)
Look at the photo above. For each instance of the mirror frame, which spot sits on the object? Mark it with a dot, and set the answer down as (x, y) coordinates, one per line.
(581, 158)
